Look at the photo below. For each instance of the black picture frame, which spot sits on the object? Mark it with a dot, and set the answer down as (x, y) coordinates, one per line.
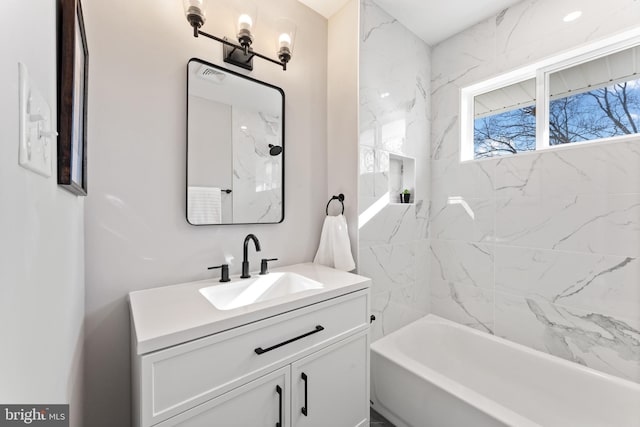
(73, 73)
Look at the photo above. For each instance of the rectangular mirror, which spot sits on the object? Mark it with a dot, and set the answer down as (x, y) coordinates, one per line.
(235, 148)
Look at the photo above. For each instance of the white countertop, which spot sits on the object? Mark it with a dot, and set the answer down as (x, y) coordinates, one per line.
(171, 315)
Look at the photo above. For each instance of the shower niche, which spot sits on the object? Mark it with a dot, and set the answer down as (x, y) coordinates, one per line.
(402, 178)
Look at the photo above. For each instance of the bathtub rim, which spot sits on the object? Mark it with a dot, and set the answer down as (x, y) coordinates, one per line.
(452, 388)
(384, 347)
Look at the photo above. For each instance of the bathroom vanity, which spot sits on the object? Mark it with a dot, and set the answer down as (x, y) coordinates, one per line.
(290, 348)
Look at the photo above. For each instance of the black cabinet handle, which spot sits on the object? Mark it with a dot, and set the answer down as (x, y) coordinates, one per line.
(279, 391)
(306, 402)
(261, 350)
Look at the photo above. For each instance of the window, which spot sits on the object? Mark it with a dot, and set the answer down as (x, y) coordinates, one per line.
(588, 95)
(505, 120)
(595, 100)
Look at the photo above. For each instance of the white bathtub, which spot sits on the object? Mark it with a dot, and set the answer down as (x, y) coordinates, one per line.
(437, 373)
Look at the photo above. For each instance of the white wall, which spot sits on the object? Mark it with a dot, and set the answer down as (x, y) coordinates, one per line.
(342, 99)
(211, 164)
(41, 235)
(546, 250)
(136, 233)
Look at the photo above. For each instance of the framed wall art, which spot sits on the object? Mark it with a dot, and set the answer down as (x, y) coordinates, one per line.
(73, 59)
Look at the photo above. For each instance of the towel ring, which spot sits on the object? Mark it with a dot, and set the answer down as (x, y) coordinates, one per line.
(340, 198)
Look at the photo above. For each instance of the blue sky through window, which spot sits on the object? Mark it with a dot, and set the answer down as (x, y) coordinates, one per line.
(605, 112)
(601, 113)
(509, 132)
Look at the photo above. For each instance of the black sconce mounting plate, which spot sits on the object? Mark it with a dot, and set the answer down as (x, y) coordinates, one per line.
(237, 57)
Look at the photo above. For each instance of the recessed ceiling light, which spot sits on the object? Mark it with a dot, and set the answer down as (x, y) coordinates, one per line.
(384, 95)
(572, 16)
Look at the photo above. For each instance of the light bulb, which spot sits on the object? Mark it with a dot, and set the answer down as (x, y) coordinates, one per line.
(287, 34)
(245, 22)
(572, 16)
(194, 10)
(284, 40)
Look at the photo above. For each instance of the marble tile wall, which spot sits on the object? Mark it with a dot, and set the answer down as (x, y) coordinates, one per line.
(257, 175)
(394, 119)
(541, 248)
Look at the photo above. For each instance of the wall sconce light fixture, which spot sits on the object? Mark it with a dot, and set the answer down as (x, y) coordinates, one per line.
(241, 54)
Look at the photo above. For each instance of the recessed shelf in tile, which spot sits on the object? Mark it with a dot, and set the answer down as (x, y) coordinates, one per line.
(402, 176)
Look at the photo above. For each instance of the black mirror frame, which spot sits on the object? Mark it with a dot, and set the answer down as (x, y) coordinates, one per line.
(186, 196)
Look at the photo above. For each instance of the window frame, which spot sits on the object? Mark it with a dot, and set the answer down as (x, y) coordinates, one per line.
(540, 71)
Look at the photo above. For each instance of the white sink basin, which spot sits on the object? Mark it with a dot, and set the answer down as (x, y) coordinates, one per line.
(261, 288)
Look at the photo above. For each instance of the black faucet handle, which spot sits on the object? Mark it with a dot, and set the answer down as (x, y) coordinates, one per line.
(225, 272)
(264, 266)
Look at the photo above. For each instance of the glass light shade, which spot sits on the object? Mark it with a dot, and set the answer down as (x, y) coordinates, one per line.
(195, 11)
(286, 30)
(247, 14)
(286, 33)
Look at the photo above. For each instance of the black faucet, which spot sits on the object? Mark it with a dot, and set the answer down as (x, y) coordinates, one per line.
(245, 257)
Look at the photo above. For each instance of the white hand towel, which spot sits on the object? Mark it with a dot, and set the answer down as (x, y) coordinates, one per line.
(204, 205)
(335, 249)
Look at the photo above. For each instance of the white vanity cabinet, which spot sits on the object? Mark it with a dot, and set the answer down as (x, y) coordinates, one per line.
(327, 385)
(252, 375)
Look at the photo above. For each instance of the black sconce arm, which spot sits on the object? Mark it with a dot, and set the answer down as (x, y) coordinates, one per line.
(249, 52)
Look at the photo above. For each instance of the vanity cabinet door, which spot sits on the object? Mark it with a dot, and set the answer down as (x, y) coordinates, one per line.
(260, 403)
(331, 386)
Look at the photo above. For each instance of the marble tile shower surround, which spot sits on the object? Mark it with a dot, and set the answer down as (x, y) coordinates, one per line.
(257, 193)
(539, 248)
(394, 119)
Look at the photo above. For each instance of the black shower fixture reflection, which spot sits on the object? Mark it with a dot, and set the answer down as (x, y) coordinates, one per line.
(274, 150)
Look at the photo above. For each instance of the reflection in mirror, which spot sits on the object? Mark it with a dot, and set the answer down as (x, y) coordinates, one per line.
(235, 143)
